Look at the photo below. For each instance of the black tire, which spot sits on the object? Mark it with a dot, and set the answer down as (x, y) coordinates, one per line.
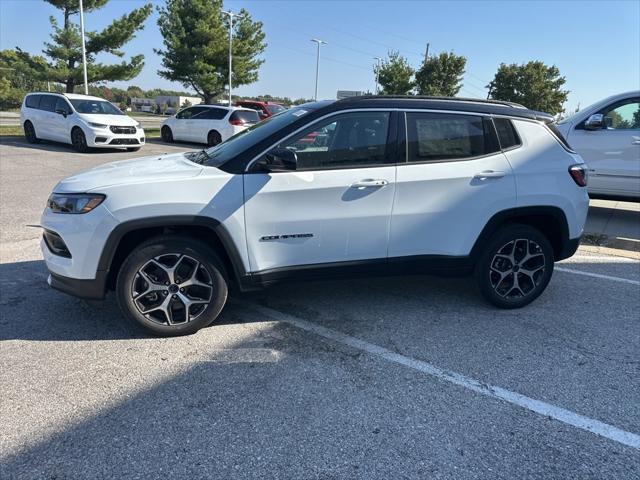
(213, 138)
(165, 312)
(30, 132)
(133, 149)
(79, 141)
(509, 276)
(166, 134)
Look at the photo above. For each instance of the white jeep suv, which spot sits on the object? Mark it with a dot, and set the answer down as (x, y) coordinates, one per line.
(208, 124)
(85, 122)
(373, 185)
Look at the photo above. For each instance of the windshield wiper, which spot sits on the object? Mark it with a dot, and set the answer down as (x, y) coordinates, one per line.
(199, 157)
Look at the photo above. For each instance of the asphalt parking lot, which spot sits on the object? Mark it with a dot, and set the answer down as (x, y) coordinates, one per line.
(409, 377)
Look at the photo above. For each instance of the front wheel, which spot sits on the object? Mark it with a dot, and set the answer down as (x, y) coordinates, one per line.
(172, 285)
(79, 141)
(166, 134)
(516, 266)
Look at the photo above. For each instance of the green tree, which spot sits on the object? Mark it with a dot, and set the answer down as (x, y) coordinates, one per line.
(395, 75)
(17, 77)
(534, 85)
(65, 49)
(196, 46)
(441, 75)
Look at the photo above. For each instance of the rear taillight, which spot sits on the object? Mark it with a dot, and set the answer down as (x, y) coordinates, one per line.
(236, 121)
(579, 174)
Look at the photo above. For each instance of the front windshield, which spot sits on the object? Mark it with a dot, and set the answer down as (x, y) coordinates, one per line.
(101, 107)
(225, 151)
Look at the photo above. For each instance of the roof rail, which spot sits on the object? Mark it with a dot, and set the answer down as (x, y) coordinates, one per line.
(428, 97)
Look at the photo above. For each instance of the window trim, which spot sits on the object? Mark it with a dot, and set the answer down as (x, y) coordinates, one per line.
(486, 118)
(392, 135)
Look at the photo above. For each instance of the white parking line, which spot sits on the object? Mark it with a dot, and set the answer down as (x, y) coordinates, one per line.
(562, 415)
(597, 275)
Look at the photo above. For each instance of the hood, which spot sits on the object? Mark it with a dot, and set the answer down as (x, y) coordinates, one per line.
(140, 170)
(119, 120)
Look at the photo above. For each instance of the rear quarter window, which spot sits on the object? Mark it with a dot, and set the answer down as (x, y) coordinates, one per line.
(507, 134)
(32, 101)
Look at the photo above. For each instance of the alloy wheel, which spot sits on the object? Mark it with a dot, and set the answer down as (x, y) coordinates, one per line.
(517, 268)
(172, 289)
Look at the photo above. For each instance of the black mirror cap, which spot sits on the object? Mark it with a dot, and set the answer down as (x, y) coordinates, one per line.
(62, 112)
(280, 160)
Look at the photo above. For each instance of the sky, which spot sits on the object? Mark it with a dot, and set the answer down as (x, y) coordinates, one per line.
(595, 44)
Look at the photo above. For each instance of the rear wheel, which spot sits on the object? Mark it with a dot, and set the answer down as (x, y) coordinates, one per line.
(213, 138)
(79, 141)
(172, 286)
(516, 266)
(166, 134)
(30, 132)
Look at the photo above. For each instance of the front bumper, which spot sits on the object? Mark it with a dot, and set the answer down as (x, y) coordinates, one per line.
(93, 289)
(105, 138)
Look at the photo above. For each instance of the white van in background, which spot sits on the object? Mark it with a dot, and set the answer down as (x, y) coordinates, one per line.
(607, 136)
(85, 122)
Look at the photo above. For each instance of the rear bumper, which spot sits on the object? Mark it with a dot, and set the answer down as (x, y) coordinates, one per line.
(568, 249)
(93, 289)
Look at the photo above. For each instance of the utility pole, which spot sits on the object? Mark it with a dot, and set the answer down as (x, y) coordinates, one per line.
(377, 59)
(231, 16)
(318, 42)
(426, 53)
(84, 51)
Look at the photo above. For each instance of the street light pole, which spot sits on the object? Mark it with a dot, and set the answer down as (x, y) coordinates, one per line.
(84, 51)
(378, 59)
(231, 15)
(318, 42)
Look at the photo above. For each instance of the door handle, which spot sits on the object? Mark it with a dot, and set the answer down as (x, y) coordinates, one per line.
(489, 174)
(370, 182)
(635, 140)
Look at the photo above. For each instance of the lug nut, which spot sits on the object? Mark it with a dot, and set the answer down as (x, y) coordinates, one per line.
(164, 293)
(182, 289)
(174, 296)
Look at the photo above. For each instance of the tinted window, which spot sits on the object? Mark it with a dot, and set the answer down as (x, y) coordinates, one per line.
(441, 136)
(186, 113)
(245, 116)
(95, 106)
(507, 134)
(623, 116)
(273, 109)
(343, 141)
(62, 105)
(48, 103)
(33, 101)
(211, 114)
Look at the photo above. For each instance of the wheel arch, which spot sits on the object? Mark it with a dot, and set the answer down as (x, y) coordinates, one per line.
(550, 221)
(128, 235)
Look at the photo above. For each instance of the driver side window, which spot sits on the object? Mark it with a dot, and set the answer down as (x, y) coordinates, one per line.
(347, 140)
(625, 116)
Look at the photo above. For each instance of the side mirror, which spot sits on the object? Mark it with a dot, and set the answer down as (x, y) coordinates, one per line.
(280, 160)
(595, 122)
(62, 112)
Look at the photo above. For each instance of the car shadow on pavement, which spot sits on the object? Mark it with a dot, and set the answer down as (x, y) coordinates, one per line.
(48, 146)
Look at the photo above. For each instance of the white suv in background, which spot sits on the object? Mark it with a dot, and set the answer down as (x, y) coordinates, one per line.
(85, 122)
(607, 136)
(208, 124)
(365, 185)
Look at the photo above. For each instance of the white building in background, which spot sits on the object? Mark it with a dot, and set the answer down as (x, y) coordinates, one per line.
(175, 102)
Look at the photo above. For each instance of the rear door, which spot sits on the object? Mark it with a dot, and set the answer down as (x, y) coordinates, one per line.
(336, 206)
(61, 126)
(454, 180)
(613, 153)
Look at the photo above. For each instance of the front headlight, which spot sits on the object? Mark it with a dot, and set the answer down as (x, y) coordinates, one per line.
(74, 202)
(98, 125)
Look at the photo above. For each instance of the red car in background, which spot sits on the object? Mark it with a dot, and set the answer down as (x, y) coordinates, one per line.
(264, 109)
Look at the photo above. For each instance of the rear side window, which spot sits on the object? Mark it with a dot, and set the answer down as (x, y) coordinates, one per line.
(507, 135)
(435, 137)
(245, 116)
(48, 103)
(212, 114)
(33, 101)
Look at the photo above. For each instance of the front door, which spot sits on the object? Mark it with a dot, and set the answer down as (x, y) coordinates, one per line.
(336, 206)
(613, 153)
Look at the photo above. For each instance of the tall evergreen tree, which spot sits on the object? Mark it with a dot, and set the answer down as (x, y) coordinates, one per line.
(395, 75)
(65, 49)
(196, 46)
(441, 75)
